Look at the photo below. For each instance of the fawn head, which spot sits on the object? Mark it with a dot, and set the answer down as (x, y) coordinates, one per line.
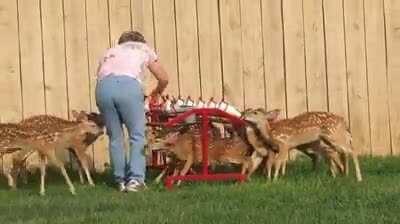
(87, 124)
(260, 116)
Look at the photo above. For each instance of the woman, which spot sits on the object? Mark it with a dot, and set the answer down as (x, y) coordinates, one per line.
(120, 99)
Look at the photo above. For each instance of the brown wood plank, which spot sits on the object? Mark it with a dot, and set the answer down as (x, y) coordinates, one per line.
(120, 18)
(54, 58)
(31, 58)
(209, 49)
(377, 80)
(76, 53)
(336, 58)
(356, 75)
(10, 91)
(232, 61)
(392, 15)
(165, 40)
(253, 55)
(78, 83)
(315, 55)
(142, 20)
(98, 42)
(294, 54)
(187, 44)
(274, 55)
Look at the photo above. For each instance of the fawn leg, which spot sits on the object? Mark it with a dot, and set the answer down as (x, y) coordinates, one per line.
(265, 168)
(345, 144)
(269, 163)
(80, 173)
(345, 159)
(357, 166)
(283, 170)
(60, 165)
(10, 179)
(334, 156)
(161, 175)
(42, 161)
(186, 168)
(332, 168)
(282, 155)
(256, 159)
(8, 168)
(83, 159)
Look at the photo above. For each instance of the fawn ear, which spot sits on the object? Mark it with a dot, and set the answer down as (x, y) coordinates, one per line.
(75, 114)
(273, 115)
(247, 110)
(261, 110)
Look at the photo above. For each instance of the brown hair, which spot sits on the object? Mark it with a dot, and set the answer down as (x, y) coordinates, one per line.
(131, 36)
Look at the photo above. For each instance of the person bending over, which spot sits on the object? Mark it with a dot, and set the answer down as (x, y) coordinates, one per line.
(120, 100)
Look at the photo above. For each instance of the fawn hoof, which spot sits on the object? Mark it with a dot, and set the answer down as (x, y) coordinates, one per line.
(42, 193)
(73, 192)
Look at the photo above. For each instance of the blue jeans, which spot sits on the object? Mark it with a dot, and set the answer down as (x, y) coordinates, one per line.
(120, 100)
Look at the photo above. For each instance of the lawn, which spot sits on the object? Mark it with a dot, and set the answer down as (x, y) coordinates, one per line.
(302, 196)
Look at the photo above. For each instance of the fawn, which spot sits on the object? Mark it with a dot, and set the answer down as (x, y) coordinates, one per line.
(8, 133)
(322, 132)
(312, 150)
(46, 139)
(79, 143)
(187, 147)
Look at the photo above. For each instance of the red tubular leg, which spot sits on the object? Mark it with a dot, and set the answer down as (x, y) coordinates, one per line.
(204, 142)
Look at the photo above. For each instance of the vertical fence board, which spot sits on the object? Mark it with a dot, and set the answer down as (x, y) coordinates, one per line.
(142, 20)
(120, 18)
(315, 55)
(392, 13)
(138, 15)
(165, 39)
(294, 52)
(54, 58)
(377, 80)
(274, 55)
(76, 56)
(31, 58)
(356, 75)
(188, 51)
(76, 53)
(10, 91)
(210, 49)
(98, 42)
(232, 52)
(336, 58)
(253, 58)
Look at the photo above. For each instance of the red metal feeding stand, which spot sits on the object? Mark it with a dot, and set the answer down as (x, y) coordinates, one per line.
(205, 175)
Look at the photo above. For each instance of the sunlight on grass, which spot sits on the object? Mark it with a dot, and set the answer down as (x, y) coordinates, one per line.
(302, 196)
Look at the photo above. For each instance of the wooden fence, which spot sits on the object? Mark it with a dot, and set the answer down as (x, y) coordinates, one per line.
(337, 55)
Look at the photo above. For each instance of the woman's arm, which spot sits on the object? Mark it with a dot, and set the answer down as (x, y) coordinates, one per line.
(161, 75)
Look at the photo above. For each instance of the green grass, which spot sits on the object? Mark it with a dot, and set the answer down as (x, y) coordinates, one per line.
(302, 196)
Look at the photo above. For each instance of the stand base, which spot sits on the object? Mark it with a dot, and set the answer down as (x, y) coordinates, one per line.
(204, 177)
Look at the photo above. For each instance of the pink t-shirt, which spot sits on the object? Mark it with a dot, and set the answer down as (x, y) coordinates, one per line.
(129, 58)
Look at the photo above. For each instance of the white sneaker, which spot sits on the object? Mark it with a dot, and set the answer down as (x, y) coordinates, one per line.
(135, 186)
